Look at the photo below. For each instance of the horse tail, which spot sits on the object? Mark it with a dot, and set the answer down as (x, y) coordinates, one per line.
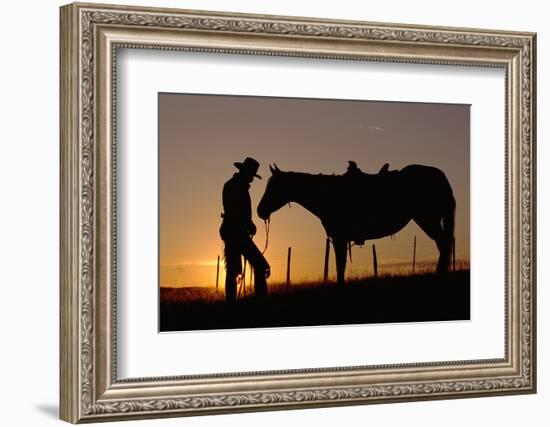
(431, 195)
(448, 222)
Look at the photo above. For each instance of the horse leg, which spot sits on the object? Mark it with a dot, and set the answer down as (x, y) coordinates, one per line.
(340, 247)
(433, 228)
(445, 248)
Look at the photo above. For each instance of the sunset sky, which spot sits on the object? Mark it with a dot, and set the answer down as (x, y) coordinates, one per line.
(200, 136)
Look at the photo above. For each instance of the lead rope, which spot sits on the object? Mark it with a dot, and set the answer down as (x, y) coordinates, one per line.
(266, 224)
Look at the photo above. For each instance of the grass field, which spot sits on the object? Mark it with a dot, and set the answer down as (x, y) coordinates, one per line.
(418, 298)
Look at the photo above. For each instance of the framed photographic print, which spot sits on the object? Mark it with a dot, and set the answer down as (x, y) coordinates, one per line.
(319, 269)
(265, 212)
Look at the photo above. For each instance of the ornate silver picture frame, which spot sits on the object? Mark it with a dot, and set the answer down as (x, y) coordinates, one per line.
(91, 38)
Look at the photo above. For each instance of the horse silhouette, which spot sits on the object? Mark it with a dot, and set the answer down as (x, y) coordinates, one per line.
(361, 206)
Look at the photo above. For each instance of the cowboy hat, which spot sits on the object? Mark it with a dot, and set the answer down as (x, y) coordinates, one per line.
(249, 166)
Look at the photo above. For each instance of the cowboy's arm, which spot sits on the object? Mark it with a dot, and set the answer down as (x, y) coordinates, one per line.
(232, 203)
(237, 207)
(251, 226)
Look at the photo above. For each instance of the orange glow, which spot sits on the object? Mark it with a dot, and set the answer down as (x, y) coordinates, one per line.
(200, 136)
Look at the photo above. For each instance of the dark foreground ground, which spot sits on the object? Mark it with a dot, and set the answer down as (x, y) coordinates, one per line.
(417, 298)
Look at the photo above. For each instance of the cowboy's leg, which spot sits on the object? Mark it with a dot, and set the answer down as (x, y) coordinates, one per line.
(260, 265)
(233, 268)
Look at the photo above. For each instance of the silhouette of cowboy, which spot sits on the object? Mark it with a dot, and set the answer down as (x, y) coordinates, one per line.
(237, 230)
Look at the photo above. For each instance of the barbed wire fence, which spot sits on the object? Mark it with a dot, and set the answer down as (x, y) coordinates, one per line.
(296, 266)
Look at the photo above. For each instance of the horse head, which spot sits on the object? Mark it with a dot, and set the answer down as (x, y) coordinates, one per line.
(275, 195)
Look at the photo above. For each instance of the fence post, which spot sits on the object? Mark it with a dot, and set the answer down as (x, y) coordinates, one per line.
(454, 255)
(374, 260)
(217, 273)
(288, 267)
(414, 253)
(327, 253)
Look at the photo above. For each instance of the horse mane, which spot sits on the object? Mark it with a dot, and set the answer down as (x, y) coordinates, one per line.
(323, 176)
(331, 178)
(307, 174)
(320, 179)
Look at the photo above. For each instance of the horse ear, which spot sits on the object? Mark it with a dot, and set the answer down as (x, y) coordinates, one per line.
(272, 169)
(276, 167)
